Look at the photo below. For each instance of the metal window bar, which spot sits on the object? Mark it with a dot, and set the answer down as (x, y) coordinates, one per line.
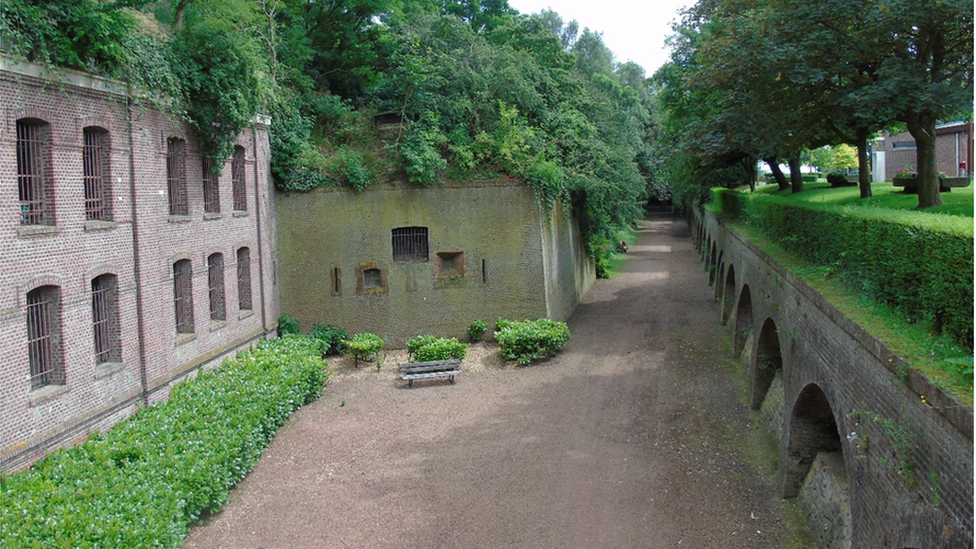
(183, 297)
(410, 244)
(96, 205)
(244, 279)
(30, 175)
(211, 187)
(238, 175)
(176, 178)
(40, 339)
(215, 278)
(103, 311)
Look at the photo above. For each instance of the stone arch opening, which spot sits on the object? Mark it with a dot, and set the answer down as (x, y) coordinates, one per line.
(719, 286)
(815, 472)
(707, 248)
(743, 321)
(728, 295)
(713, 265)
(769, 360)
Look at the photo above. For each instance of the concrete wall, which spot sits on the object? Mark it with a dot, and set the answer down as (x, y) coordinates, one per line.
(139, 246)
(908, 461)
(508, 245)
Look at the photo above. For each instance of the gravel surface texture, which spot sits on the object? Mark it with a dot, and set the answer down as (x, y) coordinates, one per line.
(635, 435)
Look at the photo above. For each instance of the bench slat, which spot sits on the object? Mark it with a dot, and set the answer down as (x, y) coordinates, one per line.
(443, 373)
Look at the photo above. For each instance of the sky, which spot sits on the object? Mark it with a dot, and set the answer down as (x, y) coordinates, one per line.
(634, 30)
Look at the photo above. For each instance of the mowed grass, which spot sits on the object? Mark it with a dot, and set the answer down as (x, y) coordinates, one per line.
(958, 202)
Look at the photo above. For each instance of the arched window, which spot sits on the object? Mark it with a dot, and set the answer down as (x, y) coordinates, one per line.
(211, 186)
(44, 336)
(176, 176)
(105, 319)
(239, 177)
(244, 279)
(34, 184)
(95, 165)
(183, 296)
(215, 287)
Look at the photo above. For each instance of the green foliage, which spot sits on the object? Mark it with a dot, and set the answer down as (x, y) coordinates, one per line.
(421, 159)
(364, 346)
(147, 479)
(919, 263)
(288, 325)
(331, 337)
(477, 329)
(528, 340)
(426, 348)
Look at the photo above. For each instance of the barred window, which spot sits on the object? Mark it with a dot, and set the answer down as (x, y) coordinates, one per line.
(215, 286)
(44, 336)
(244, 279)
(95, 163)
(238, 174)
(176, 176)
(183, 296)
(105, 319)
(211, 187)
(34, 183)
(410, 244)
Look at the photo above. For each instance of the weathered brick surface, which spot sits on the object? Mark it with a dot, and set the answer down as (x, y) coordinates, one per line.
(883, 425)
(139, 247)
(516, 263)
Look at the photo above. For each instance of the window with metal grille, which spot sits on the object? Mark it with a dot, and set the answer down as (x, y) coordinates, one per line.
(176, 176)
(410, 244)
(105, 319)
(211, 187)
(33, 174)
(44, 337)
(215, 286)
(244, 279)
(98, 203)
(238, 174)
(183, 296)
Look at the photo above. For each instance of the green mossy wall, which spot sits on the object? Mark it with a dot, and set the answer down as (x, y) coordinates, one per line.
(517, 264)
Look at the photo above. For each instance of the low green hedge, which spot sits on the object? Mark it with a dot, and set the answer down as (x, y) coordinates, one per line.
(427, 348)
(142, 483)
(528, 340)
(919, 263)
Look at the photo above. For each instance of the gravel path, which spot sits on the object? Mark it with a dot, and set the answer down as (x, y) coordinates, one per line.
(635, 435)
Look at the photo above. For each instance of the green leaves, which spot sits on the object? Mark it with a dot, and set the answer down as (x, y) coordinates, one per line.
(146, 480)
(364, 345)
(427, 348)
(528, 340)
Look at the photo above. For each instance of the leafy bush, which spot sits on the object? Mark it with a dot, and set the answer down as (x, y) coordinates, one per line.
(477, 329)
(531, 339)
(364, 346)
(501, 324)
(426, 348)
(331, 337)
(919, 263)
(142, 483)
(288, 325)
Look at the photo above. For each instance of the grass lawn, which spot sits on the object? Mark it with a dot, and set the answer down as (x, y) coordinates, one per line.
(628, 235)
(958, 202)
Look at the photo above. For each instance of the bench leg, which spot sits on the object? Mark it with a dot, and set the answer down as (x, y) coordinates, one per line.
(410, 383)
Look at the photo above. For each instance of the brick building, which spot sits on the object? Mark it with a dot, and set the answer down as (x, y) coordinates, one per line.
(953, 149)
(125, 265)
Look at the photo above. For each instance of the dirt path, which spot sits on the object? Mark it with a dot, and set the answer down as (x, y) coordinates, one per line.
(635, 435)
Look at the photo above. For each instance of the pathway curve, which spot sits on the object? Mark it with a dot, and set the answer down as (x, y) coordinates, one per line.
(635, 435)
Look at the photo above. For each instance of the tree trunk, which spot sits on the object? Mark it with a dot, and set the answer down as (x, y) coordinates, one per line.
(749, 172)
(922, 128)
(796, 177)
(863, 168)
(773, 164)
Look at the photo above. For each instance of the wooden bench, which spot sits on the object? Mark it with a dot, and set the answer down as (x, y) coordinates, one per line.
(434, 368)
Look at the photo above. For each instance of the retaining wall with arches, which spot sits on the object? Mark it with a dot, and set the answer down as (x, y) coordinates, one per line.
(876, 455)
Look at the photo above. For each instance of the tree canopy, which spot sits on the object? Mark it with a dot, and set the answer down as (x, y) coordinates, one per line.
(772, 78)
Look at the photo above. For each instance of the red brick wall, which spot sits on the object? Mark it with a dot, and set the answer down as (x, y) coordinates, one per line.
(139, 247)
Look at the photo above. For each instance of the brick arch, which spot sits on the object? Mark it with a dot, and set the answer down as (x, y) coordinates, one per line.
(812, 430)
(768, 360)
(743, 321)
(728, 294)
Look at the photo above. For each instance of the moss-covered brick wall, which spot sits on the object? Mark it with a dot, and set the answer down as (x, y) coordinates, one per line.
(489, 248)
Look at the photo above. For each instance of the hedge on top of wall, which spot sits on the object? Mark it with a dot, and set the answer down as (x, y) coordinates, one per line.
(919, 263)
(142, 483)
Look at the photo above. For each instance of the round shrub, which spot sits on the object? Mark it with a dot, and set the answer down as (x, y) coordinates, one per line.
(531, 339)
(331, 337)
(477, 329)
(364, 346)
(427, 348)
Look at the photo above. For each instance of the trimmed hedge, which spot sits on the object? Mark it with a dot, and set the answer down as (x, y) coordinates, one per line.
(142, 483)
(426, 348)
(919, 263)
(528, 340)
